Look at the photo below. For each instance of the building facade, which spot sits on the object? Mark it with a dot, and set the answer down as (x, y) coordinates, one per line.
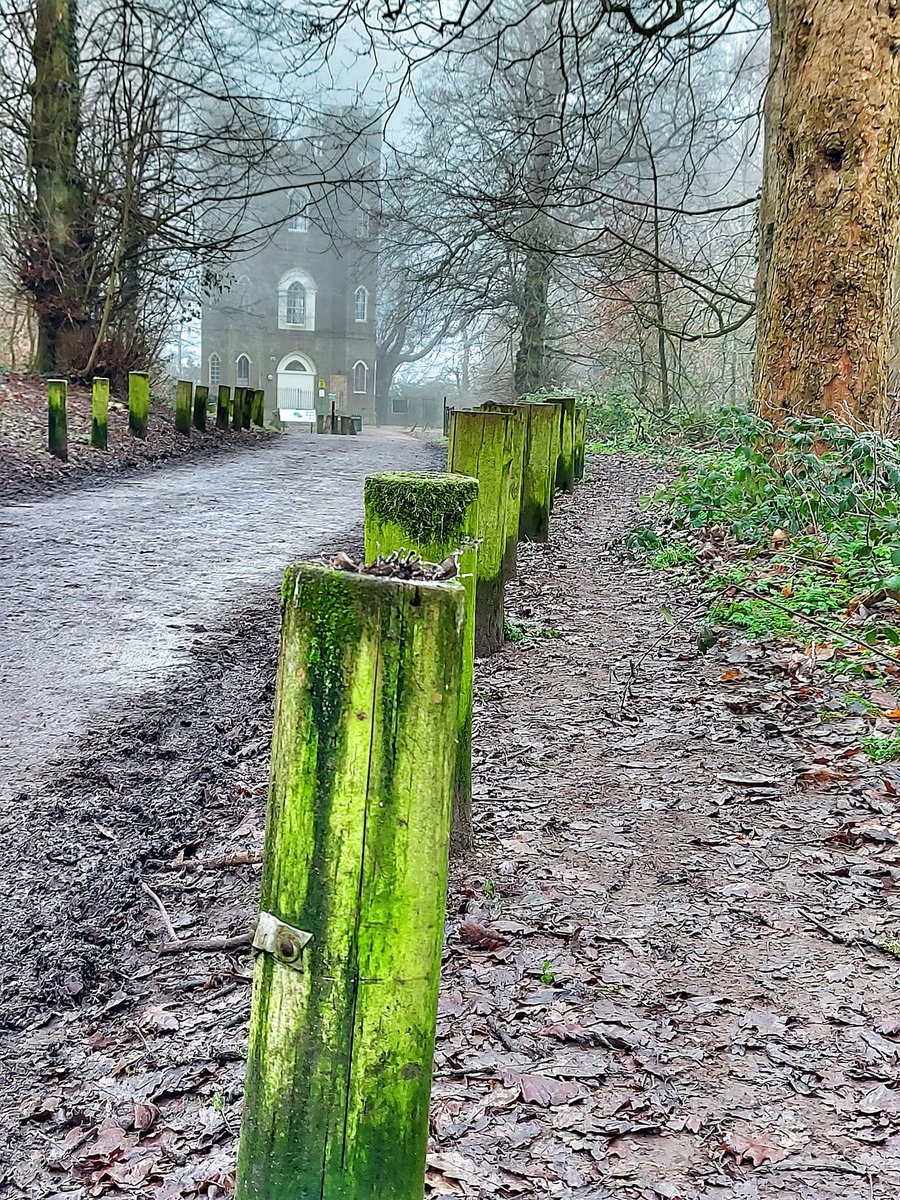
(296, 312)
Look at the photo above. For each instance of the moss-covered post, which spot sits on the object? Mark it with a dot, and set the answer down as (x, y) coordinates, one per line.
(247, 410)
(479, 446)
(565, 470)
(435, 515)
(237, 409)
(258, 408)
(517, 434)
(100, 413)
(580, 428)
(554, 452)
(57, 429)
(184, 390)
(353, 889)
(138, 403)
(223, 406)
(201, 400)
(537, 478)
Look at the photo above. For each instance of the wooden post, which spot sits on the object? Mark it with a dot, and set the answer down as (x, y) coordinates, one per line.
(565, 471)
(183, 404)
(247, 410)
(347, 425)
(554, 453)
(537, 478)
(258, 408)
(100, 413)
(331, 428)
(479, 446)
(320, 422)
(580, 429)
(201, 400)
(223, 404)
(435, 515)
(353, 889)
(138, 403)
(57, 428)
(237, 409)
(517, 432)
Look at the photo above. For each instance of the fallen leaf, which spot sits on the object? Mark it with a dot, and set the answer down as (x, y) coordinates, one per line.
(579, 1034)
(730, 675)
(481, 937)
(757, 1150)
(881, 1099)
(540, 1090)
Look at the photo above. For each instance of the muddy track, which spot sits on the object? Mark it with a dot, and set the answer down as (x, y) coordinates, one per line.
(640, 994)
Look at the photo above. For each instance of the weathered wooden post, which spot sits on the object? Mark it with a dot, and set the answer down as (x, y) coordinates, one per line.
(565, 471)
(258, 408)
(57, 427)
(479, 446)
(320, 422)
(201, 400)
(223, 405)
(554, 452)
(247, 410)
(349, 934)
(138, 403)
(183, 403)
(580, 432)
(100, 413)
(517, 433)
(435, 516)
(237, 409)
(537, 478)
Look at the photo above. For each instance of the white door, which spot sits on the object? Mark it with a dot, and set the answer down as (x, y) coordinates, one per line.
(296, 385)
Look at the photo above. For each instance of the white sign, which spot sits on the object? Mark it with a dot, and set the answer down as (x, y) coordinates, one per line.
(303, 416)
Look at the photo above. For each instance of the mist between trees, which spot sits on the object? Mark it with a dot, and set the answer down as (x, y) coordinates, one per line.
(566, 193)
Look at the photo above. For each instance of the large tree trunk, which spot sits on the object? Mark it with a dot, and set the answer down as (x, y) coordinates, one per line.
(830, 220)
(56, 244)
(530, 373)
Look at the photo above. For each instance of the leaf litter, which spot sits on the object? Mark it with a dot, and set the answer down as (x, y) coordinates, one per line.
(665, 971)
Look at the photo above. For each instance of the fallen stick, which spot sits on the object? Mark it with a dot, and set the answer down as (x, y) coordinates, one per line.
(240, 941)
(170, 928)
(243, 858)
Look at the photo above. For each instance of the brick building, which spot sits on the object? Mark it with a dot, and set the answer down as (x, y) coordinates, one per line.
(296, 314)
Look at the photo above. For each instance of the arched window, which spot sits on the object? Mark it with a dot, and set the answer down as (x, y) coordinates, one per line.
(298, 221)
(360, 377)
(296, 300)
(295, 312)
(361, 304)
(363, 224)
(215, 371)
(242, 371)
(242, 291)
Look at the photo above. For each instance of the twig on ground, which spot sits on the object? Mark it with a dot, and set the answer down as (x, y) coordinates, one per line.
(500, 1034)
(170, 928)
(852, 940)
(243, 858)
(240, 941)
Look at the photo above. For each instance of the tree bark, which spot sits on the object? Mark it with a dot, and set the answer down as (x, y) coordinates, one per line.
(830, 215)
(54, 252)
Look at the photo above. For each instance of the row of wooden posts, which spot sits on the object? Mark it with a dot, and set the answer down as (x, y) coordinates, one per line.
(244, 410)
(371, 770)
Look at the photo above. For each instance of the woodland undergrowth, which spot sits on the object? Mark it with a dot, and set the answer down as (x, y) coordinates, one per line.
(792, 534)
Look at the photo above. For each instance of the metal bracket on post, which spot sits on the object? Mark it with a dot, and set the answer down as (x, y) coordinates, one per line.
(284, 942)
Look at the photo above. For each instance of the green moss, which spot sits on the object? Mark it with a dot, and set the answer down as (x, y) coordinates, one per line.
(138, 403)
(434, 510)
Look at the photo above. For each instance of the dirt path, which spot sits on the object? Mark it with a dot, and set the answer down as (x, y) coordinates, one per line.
(103, 592)
(656, 983)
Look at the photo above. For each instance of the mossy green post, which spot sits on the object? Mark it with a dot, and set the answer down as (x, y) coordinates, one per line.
(138, 403)
(184, 399)
(517, 432)
(345, 1000)
(100, 413)
(237, 409)
(480, 446)
(435, 515)
(57, 425)
(201, 400)
(580, 428)
(258, 408)
(223, 406)
(565, 469)
(247, 410)
(554, 452)
(537, 479)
